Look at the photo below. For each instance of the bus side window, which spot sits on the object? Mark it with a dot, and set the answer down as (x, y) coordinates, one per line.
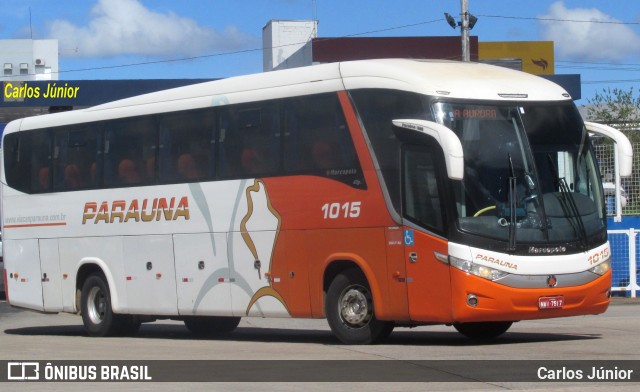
(41, 178)
(18, 166)
(317, 140)
(187, 143)
(75, 155)
(130, 152)
(250, 141)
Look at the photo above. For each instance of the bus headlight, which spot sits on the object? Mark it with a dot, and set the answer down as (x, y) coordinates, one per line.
(476, 269)
(602, 268)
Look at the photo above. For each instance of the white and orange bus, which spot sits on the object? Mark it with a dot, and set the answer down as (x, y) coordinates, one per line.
(374, 193)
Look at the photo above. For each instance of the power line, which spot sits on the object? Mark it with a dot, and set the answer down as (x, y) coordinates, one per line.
(231, 53)
(191, 58)
(561, 20)
(610, 81)
(597, 68)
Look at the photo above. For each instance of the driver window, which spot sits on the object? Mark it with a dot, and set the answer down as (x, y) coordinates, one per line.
(422, 202)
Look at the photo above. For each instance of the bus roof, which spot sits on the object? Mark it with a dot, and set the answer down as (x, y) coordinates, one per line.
(431, 77)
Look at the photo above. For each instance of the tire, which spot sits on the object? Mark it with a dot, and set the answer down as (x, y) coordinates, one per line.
(211, 325)
(483, 330)
(350, 312)
(95, 306)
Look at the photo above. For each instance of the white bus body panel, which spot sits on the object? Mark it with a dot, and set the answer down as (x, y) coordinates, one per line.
(51, 276)
(23, 277)
(227, 233)
(106, 253)
(526, 265)
(202, 274)
(150, 275)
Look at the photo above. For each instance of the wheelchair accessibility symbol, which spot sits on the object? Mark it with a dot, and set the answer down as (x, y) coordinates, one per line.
(408, 237)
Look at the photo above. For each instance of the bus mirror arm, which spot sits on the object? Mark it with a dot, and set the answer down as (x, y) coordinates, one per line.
(622, 147)
(408, 130)
(623, 158)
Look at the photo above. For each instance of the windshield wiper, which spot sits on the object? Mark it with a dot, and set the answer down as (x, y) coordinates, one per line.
(564, 188)
(569, 205)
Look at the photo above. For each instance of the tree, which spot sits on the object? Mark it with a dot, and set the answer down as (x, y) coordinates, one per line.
(620, 109)
(615, 107)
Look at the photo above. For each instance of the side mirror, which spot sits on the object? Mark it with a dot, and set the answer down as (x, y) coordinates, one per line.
(622, 148)
(446, 138)
(623, 157)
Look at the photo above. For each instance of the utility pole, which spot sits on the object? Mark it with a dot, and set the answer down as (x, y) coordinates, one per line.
(467, 21)
(464, 29)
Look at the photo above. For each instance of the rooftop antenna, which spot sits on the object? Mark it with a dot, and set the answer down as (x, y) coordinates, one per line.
(30, 26)
(314, 10)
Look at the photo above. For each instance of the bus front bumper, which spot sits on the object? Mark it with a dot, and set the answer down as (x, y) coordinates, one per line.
(497, 302)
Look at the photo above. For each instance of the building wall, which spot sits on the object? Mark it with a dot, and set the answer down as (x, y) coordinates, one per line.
(285, 43)
(326, 50)
(26, 59)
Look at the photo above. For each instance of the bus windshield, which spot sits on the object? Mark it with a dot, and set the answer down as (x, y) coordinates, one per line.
(527, 164)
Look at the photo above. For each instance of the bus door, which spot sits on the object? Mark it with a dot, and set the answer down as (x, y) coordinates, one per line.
(428, 280)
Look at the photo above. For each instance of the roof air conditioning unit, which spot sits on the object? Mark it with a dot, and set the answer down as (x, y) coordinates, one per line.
(8, 66)
(39, 61)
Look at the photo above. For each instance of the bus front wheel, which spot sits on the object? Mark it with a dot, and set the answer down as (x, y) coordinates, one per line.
(97, 314)
(483, 330)
(349, 310)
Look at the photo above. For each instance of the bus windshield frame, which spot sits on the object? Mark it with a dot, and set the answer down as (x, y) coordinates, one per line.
(531, 179)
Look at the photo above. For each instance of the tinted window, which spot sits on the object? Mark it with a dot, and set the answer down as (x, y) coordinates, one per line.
(296, 136)
(26, 156)
(422, 201)
(187, 144)
(317, 140)
(75, 158)
(377, 108)
(130, 152)
(250, 141)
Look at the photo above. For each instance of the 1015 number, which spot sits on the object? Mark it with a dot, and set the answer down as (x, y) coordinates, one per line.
(350, 209)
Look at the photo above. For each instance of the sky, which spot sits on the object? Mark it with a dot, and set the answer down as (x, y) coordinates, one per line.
(146, 39)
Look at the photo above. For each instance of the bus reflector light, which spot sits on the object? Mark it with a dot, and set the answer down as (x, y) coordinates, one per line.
(472, 300)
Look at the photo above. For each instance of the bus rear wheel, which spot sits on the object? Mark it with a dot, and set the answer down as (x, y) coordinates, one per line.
(211, 325)
(95, 306)
(483, 330)
(350, 312)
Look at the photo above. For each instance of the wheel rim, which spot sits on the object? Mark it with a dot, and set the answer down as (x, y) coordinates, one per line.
(97, 305)
(355, 306)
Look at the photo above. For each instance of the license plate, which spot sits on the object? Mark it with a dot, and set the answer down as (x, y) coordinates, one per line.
(550, 302)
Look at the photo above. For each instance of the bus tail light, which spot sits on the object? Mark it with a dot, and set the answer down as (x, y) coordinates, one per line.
(476, 269)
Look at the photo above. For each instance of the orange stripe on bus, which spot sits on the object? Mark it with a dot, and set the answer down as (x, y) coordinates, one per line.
(34, 225)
